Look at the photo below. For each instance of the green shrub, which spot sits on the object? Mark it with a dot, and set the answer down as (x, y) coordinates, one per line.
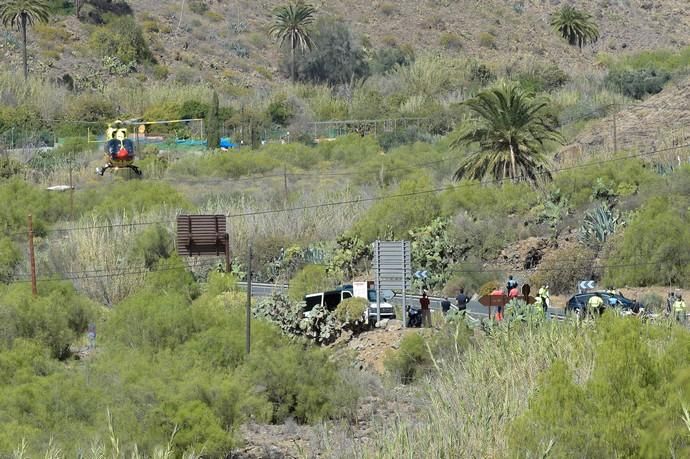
(450, 40)
(672, 61)
(46, 207)
(336, 58)
(487, 40)
(10, 257)
(481, 74)
(543, 78)
(652, 302)
(489, 287)
(398, 137)
(385, 59)
(581, 186)
(485, 201)
(352, 310)
(280, 111)
(410, 361)
(122, 38)
(652, 249)
(592, 418)
(563, 269)
(161, 72)
(395, 217)
(132, 385)
(55, 318)
(638, 83)
(310, 279)
(469, 275)
(91, 107)
(133, 196)
(198, 6)
(150, 246)
(9, 168)
(387, 8)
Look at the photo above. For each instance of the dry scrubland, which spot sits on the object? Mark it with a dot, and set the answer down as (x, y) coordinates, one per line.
(169, 377)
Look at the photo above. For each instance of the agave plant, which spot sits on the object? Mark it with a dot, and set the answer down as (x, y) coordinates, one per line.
(599, 223)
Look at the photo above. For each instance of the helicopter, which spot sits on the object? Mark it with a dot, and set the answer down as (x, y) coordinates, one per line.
(119, 149)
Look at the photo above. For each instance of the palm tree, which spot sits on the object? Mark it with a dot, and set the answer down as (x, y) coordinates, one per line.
(511, 128)
(575, 26)
(21, 14)
(292, 24)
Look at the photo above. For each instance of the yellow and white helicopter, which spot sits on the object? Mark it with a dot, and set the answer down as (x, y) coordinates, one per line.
(119, 149)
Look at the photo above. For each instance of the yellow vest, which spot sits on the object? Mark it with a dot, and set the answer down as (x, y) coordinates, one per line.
(595, 302)
(679, 306)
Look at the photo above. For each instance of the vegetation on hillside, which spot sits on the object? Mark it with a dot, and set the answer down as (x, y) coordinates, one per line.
(373, 138)
(132, 385)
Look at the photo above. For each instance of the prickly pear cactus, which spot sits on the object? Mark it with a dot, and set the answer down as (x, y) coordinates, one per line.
(320, 325)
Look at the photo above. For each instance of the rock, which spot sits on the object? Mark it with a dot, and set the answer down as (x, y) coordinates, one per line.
(382, 323)
(394, 324)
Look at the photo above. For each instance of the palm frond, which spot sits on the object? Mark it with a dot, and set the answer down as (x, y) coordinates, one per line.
(34, 11)
(575, 26)
(510, 130)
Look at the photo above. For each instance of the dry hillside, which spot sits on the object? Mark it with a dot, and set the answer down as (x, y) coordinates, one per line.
(659, 122)
(228, 41)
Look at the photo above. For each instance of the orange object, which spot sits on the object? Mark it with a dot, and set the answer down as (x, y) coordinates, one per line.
(122, 153)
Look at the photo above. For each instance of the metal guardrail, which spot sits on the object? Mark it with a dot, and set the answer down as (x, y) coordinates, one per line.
(474, 309)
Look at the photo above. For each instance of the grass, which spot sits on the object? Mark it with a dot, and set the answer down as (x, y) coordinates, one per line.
(472, 400)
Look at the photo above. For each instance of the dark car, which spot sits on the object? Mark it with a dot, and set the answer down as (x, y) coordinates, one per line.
(578, 303)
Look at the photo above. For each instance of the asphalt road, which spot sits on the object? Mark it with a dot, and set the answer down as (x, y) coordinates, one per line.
(475, 308)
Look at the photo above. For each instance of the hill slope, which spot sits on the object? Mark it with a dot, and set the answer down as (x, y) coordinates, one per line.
(227, 39)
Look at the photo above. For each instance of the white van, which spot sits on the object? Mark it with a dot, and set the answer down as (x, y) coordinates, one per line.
(331, 299)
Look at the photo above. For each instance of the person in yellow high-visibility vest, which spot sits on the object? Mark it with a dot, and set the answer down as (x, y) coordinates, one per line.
(595, 305)
(679, 309)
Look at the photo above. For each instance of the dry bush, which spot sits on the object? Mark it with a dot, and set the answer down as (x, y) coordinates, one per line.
(97, 255)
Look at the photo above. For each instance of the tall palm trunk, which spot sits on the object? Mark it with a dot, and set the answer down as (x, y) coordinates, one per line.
(26, 58)
(513, 170)
(292, 56)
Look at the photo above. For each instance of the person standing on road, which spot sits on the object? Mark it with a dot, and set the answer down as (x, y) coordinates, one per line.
(511, 284)
(426, 311)
(669, 303)
(679, 309)
(462, 300)
(595, 305)
(445, 305)
(500, 301)
(513, 293)
(544, 295)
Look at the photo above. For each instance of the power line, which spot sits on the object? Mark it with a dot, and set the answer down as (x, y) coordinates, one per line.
(450, 187)
(84, 275)
(378, 198)
(78, 275)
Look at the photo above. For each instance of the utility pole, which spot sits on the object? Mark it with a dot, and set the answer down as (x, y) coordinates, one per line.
(228, 264)
(32, 259)
(249, 301)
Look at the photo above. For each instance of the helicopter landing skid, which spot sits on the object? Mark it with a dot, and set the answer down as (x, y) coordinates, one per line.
(101, 170)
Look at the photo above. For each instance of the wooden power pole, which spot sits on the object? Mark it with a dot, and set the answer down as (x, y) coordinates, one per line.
(248, 338)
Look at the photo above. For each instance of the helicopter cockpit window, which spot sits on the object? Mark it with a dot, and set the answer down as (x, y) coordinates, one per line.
(129, 146)
(113, 147)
